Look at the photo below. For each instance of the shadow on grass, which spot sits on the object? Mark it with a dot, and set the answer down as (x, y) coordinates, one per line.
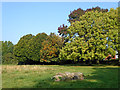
(90, 65)
(86, 63)
(100, 78)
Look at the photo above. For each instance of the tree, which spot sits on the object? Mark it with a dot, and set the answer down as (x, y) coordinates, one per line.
(27, 50)
(92, 37)
(34, 46)
(62, 30)
(20, 49)
(7, 53)
(119, 34)
(74, 16)
(9, 58)
(7, 47)
(50, 48)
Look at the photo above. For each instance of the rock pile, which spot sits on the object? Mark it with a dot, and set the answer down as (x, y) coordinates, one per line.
(68, 76)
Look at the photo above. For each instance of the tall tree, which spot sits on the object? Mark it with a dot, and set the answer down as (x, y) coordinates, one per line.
(74, 16)
(92, 37)
(119, 34)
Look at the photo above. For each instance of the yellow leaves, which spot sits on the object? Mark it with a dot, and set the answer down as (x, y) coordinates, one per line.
(45, 60)
(42, 59)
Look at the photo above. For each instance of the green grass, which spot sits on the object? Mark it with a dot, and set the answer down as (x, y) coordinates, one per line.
(39, 76)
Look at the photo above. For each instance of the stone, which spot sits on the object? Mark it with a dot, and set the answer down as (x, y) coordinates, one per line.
(57, 77)
(68, 76)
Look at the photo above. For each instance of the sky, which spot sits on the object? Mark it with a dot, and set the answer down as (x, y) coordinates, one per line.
(22, 18)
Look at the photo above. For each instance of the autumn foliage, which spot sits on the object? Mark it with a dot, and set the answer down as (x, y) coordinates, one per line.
(50, 48)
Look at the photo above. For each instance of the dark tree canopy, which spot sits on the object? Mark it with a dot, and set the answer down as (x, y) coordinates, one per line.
(74, 15)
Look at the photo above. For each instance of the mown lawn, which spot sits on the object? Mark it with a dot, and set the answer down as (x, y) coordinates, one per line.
(39, 76)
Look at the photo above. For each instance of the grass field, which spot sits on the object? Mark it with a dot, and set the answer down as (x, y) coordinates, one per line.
(39, 76)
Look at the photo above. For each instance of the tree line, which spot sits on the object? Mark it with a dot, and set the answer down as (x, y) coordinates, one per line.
(92, 34)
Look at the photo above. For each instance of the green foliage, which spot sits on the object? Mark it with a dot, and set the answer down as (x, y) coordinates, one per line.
(38, 48)
(74, 16)
(93, 34)
(9, 58)
(20, 49)
(88, 36)
(28, 47)
(7, 53)
(34, 46)
(7, 47)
